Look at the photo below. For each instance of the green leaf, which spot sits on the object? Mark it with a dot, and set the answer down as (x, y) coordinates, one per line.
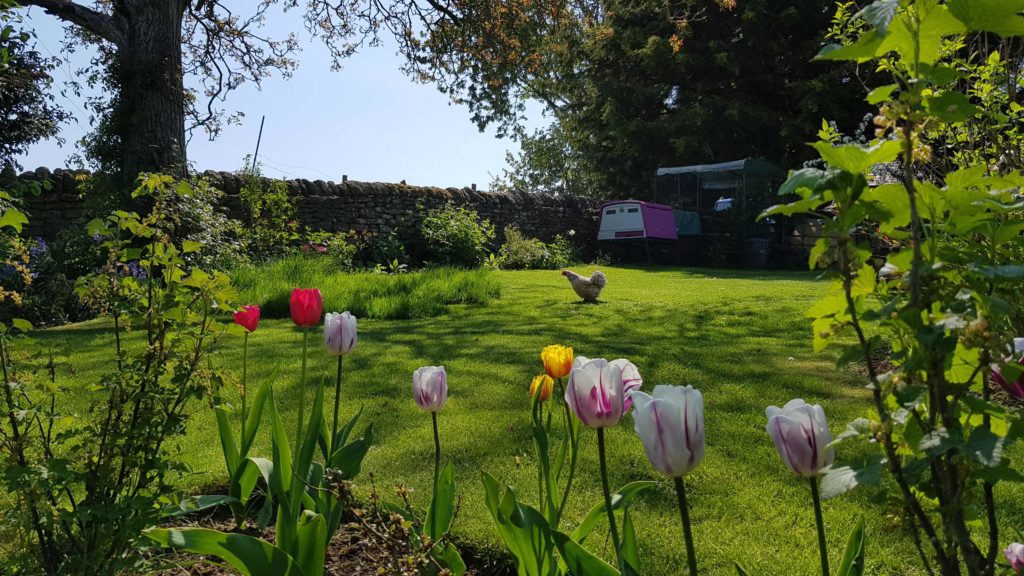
(804, 181)
(524, 531)
(311, 537)
(250, 556)
(881, 94)
(985, 447)
(227, 440)
(853, 558)
(916, 34)
(449, 558)
(442, 504)
(841, 478)
(629, 548)
(189, 246)
(13, 218)
(863, 50)
(197, 504)
(879, 13)
(21, 324)
(857, 159)
(349, 458)
(950, 107)
(620, 501)
(740, 570)
(579, 561)
(1000, 17)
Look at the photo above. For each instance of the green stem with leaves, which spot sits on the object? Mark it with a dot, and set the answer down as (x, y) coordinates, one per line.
(437, 450)
(245, 375)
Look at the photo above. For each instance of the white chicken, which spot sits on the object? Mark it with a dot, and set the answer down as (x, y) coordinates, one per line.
(587, 288)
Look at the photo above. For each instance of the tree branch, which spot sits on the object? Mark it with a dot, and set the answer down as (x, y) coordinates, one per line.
(100, 24)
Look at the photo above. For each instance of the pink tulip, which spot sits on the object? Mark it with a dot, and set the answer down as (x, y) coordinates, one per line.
(430, 387)
(596, 393)
(801, 435)
(306, 305)
(1015, 556)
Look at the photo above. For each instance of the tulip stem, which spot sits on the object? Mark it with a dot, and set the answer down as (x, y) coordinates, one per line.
(302, 391)
(684, 511)
(437, 451)
(245, 374)
(821, 525)
(572, 459)
(608, 495)
(337, 400)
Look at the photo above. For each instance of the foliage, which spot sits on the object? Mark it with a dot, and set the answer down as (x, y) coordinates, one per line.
(332, 247)
(637, 85)
(88, 485)
(520, 252)
(268, 215)
(50, 297)
(948, 313)
(28, 113)
(456, 236)
(421, 294)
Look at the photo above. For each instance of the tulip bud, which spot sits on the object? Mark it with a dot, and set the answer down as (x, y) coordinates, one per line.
(248, 317)
(801, 434)
(595, 393)
(670, 424)
(545, 383)
(557, 360)
(1015, 556)
(339, 333)
(430, 388)
(306, 305)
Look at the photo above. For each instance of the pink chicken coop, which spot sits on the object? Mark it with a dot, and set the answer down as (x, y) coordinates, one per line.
(627, 225)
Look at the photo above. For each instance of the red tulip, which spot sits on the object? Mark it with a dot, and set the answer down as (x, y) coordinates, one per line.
(248, 317)
(307, 304)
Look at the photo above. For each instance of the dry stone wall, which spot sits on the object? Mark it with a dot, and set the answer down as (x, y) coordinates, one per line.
(339, 207)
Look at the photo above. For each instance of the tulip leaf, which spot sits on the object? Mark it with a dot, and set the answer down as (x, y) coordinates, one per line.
(311, 538)
(620, 501)
(853, 558)
(629, 549)
(841, 478)
(442, 505)
(250, 556)
(450, 558)
(349, 458)
(579, 560)
(524, 531)
(197, 504)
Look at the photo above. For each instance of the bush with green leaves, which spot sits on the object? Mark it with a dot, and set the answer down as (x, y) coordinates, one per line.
(946, 301)
(269, 225)
(88, 484)
(456, 236)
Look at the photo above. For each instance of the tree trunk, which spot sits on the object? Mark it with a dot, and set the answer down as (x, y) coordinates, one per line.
(150, 109)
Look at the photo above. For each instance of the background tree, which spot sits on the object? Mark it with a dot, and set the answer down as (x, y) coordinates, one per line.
(27, 111)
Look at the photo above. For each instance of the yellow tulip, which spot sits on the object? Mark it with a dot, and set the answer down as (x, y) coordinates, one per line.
(557, 360)
(546, 384)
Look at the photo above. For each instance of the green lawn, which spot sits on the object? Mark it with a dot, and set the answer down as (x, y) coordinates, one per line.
(741, 337)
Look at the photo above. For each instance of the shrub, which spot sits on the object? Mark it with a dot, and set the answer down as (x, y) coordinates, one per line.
(87, 488)
(520, 252)
(268, 215)
(333, 249)
(456, 236)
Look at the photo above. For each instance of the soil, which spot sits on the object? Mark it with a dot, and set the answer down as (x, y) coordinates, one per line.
(354, 551)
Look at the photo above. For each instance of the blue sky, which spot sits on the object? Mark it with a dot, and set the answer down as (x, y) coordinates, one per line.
(368, 121)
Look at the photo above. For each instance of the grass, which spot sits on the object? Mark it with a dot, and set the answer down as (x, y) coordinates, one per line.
(741, 337)
(421, 294)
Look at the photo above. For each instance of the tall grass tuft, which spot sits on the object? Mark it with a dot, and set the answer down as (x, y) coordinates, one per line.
(421, 294)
